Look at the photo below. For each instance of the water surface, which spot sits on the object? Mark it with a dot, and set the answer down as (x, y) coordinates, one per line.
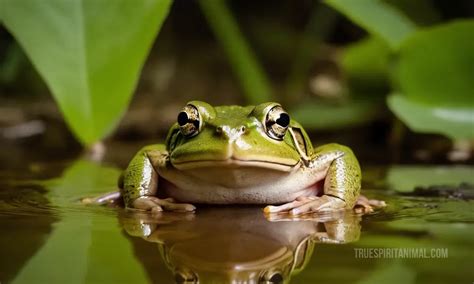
(49, 237)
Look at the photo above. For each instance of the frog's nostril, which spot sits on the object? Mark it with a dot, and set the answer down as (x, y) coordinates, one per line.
(243, 129)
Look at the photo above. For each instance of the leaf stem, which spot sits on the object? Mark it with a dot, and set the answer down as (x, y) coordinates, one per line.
(251, 75)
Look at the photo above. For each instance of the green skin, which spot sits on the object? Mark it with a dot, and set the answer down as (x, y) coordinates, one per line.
(233, 142)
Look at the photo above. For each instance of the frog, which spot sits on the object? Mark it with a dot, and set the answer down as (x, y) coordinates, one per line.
(235, 154)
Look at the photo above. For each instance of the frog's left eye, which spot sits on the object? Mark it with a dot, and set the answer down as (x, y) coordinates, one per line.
(277, 122)
(189, 121)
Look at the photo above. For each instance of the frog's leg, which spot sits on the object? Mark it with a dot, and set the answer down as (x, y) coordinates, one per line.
(141, 182)
(341, 184)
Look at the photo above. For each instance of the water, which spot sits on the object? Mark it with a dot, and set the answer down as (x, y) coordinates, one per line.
(49, 237)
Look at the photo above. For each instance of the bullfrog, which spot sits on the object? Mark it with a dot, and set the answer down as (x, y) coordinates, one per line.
(242, 155)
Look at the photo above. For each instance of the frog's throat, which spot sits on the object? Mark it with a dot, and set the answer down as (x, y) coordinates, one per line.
(234, 163)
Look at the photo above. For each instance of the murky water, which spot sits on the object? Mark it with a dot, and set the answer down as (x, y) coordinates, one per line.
(49, 237)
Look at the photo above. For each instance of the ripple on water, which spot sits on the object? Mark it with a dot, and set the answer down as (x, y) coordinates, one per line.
(429, 209)
(33, 200)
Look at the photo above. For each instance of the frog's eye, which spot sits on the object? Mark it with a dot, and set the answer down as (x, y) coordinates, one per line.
(273, 278)
(185, 277)
(189, 121)
(277, 122)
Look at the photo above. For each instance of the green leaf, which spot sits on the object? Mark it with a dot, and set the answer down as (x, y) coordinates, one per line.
(89, 52)
(366, 65)
(406, 178)
(455, 122)
(319, 115)
(87, 245)
(421, 12)
(254, 82)
(378, 18)
(436, 65)
(434, 74)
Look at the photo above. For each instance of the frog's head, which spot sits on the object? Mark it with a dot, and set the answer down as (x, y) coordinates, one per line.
(261, 136)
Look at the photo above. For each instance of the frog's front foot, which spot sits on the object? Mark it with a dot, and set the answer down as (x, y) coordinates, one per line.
(302, 205)
(155, 204)
(365, 205)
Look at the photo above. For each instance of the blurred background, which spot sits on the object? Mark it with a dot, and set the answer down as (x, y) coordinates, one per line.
(371, 75)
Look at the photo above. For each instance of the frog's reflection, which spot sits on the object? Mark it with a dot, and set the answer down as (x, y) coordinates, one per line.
(239, 245)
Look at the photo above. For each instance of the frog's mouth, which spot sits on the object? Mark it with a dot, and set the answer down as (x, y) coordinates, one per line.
(233, 162)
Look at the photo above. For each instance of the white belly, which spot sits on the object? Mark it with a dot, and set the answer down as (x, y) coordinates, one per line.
(236, 184)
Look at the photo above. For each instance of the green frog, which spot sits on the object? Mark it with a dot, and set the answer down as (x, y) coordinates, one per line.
(242, 155)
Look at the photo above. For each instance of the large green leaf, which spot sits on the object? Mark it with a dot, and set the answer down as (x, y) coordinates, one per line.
(89, 53)
(421, 12)
(377, 17)
(435, 76)
(366, 65)
(455, 122)
(436, 65)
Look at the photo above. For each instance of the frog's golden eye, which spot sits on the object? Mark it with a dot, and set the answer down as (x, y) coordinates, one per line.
(277, 122)
(189, 121)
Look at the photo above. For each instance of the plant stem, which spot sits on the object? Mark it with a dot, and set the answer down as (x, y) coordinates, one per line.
(252, 78)
(320, 23)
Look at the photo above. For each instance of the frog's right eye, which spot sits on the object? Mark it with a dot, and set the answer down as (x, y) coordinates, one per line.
(276, 122)
(189, 121)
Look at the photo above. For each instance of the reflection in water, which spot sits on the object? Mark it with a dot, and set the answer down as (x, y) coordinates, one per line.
(224, 245)
(26, 219)
(49, 237)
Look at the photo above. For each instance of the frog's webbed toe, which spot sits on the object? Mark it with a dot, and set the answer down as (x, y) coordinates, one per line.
(365, 205)
(302, 205)
(155, 204)
(113, 197)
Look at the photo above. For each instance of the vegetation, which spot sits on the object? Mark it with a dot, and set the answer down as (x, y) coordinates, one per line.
(91, 58)
(431, 89)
